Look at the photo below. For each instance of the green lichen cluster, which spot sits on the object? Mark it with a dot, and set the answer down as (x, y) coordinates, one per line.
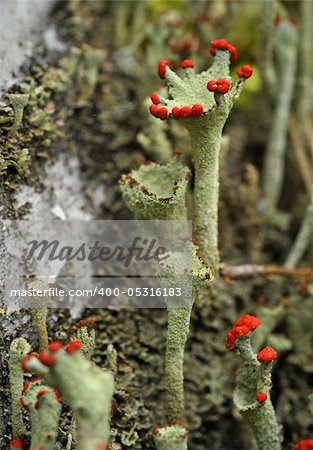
(87, 389)
(152, 191)
(156, 192)
(31, 121)
(254, 377)
(19, 348)
(206, 134)
(44, 409)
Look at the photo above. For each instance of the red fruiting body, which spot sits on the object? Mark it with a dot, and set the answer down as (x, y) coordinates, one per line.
(277, 20)
(230, 341)
(221, 86)
(46, 359)
(187, 64)
(162, 113)
(305, 444)
(22, 402)
(55, 346)
(197, 110)
(43, 392)
(39, 395)
(268, 354)
(17, 443)
(245, 72)
(25, 360)
(233, 52)
(26, 385)
(155, 98)
(74, 346)
(57, 396)
(242, 327)
(154, 109)
(220, 44)
(261, 397)
(176, 113)
(185, 112)
(240, 331)
(162, 68)
(249, 321)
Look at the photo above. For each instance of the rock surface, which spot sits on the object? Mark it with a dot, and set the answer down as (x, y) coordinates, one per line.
(22, 23)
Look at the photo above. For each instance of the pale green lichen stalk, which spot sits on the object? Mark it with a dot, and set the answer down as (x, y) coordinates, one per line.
(285, 52)
(253, 384)
(84, 332)
(38, 305)
(190, 278)
(203, 102)
(301, 243)
(18, 101)
(87, 389)
(88, 65)
(111, 356)
(44, 407)
(19, 348)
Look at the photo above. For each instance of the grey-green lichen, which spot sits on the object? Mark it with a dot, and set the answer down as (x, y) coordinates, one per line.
(254, 377)
(171, 437)
(86, 388)
(84, 332)
(157, 192)
(88, 62)
(192, 274)
(32, 105)
(111, 355)
(18, 102)
(19, 348)
(300, 331)
(205, 132)
(44, 408)
(38, 309)
(303, 238)
(285, 50)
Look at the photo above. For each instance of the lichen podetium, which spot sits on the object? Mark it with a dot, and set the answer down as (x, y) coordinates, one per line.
(203, 102)
(85, 387)
(253, 384)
